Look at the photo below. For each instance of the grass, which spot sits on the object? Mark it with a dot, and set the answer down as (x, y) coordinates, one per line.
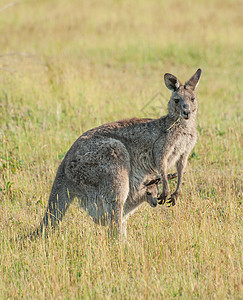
(68, 66)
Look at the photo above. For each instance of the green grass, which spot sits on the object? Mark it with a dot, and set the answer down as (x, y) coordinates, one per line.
(68, 66)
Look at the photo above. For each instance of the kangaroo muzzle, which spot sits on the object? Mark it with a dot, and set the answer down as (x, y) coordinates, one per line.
(186, 111)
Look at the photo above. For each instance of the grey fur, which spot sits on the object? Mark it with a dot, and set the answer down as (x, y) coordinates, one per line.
(108, 167)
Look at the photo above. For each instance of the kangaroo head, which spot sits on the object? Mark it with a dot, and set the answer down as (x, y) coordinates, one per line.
(183, 101)
(152, 192)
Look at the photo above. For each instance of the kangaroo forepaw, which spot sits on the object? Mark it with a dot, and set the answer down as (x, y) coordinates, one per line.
(172, 200)
(171, 176)
(162, 199)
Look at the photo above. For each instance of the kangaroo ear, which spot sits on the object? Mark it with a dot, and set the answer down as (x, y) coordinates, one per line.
(171, 82)
(194, 80)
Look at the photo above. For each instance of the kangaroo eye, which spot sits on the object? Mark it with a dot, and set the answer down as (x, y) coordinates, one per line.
(149, 194)
(193, 98)
(176, 100)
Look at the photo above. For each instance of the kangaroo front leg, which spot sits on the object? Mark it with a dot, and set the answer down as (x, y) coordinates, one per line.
(180, 165)
(166, 190)
(160, 157)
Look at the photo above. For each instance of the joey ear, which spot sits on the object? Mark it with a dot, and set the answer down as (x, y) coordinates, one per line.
(194, 80)
(171, 82)
(154, 181)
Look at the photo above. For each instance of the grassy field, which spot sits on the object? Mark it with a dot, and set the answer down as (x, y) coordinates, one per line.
(68, 66)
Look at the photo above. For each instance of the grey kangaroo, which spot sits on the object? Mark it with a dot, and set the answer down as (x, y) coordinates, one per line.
(109, 168)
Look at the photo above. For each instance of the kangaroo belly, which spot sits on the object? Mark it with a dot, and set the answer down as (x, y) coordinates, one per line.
(173, 157)
(181, 146)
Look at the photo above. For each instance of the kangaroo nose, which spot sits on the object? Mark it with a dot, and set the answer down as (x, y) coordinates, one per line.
(186, 109)
(186, 112)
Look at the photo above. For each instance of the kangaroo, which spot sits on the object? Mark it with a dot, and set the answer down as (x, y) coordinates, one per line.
(112, 163)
